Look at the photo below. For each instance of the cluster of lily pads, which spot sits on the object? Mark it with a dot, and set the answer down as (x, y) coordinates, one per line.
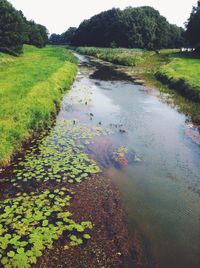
(60, 156)
(83, 96)
(30, 223)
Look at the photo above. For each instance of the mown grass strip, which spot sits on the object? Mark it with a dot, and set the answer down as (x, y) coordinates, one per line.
(31, 87)
(182, 73)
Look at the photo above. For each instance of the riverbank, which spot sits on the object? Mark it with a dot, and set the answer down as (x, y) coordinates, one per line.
(180, 84)
(31, 87)
(182, 73)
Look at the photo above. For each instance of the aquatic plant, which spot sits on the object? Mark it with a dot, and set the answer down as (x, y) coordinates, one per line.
(31, 223)
(59, 157)
(120, 156)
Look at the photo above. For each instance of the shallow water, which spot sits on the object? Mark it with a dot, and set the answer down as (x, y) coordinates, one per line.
(160, 179)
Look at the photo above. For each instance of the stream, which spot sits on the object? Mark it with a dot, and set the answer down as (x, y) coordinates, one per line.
(159, 180)
(147, 148)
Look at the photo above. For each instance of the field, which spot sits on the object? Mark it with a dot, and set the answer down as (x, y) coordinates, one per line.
(31, 87)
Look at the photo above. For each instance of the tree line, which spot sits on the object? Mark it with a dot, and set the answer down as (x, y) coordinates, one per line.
(141, 27)
(16, 30)
(192, 33)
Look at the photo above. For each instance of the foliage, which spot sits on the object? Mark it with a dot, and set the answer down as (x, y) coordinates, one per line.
(63, 39)
(37, 34)
(15, 30)
(141, 27)
(31, 87)
(31, 223)
(11, 27)
(193, 26)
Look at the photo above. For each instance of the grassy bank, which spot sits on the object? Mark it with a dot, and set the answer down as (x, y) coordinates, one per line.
(182, 73)
(31, 87)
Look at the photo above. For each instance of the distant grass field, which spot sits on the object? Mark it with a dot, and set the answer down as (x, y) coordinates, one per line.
(127, 57)
(31, 87)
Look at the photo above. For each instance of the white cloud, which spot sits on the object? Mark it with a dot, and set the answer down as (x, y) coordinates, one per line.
(59, 15)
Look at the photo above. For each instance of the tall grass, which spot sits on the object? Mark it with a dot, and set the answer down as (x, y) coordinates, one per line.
(121, 56)
(31, 87)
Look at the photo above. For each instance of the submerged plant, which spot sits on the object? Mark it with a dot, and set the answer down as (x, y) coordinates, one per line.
(120, 156)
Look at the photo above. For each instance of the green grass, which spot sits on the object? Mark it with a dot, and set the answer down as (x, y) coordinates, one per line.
(127, 57)
(31, 87)
(184, 66)
(182, 73)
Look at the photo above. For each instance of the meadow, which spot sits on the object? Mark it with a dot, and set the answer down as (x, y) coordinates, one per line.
(31, 87)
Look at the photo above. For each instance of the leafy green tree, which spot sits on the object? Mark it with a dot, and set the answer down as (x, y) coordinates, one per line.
(141, 27)
(54, 39)
(11, 28)
(37, 34)
(193, 27)
(67, 37)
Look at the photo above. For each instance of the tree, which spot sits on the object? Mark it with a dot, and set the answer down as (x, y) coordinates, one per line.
(37, 34)
(67, 37)
(54, 39)
(11, 28)
(141, 27)
(193, 27)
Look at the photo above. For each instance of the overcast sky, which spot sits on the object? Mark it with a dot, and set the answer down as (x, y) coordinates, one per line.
(59, 15)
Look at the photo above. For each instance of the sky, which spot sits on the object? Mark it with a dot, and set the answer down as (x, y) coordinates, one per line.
(59, 15)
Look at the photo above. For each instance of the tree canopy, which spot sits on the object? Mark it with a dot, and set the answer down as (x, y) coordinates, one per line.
(16, 30)
(141, 27)
(193, 27)
(11, 27)
(63, 39)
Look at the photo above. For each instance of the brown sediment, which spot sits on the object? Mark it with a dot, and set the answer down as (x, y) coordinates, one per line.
(97, 200)
(195, 138)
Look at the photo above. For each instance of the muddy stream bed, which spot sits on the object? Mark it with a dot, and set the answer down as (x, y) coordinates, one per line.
(114, 183)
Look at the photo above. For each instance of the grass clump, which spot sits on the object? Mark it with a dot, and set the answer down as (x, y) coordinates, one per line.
(31, 87)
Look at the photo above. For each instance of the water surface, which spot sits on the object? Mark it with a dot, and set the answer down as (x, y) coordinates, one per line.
(160, 182)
